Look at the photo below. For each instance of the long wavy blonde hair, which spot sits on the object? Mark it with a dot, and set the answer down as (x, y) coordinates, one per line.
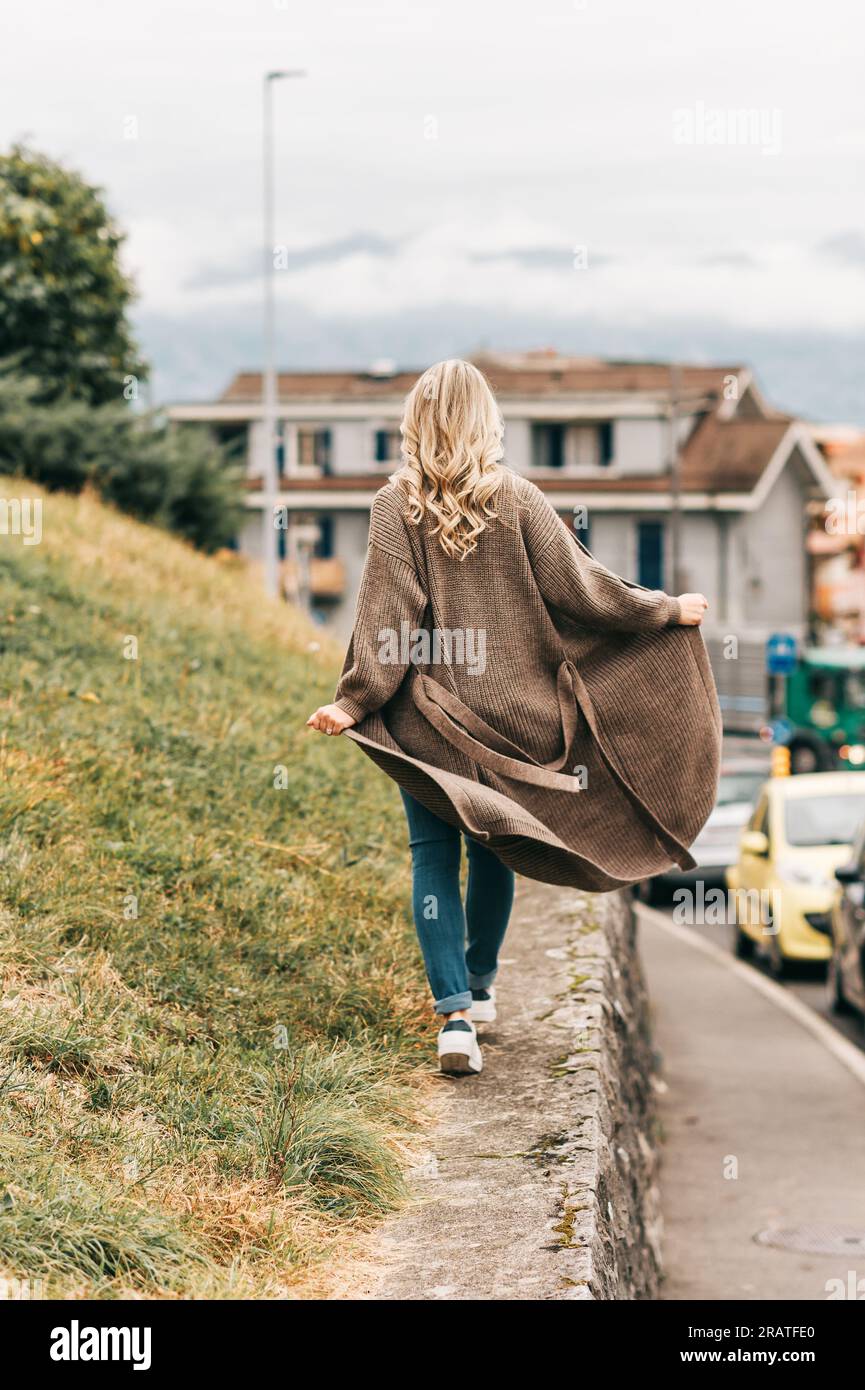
(451, 447)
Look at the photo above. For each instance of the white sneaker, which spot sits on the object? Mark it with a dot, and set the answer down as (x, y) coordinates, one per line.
(483, 1009)
(459, 1052)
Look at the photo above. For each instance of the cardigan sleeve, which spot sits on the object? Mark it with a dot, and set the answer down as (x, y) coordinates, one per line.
(572, 580)
(391, 595)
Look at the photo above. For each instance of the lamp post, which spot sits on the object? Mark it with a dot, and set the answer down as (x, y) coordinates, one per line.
(675, 565)
(268, 381)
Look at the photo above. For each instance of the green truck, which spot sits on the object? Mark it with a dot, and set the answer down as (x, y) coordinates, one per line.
(818, 710)
(824, 706)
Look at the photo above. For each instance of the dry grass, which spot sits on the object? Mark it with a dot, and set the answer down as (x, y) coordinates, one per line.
(213, 1021)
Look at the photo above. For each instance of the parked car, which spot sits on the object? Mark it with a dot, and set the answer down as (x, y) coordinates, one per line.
(783, 882)
(845, 978)
(717, 844)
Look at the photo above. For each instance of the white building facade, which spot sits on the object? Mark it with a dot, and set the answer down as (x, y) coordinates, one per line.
(600, 438)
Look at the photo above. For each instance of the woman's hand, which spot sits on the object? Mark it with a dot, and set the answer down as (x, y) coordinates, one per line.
(692, 607)
(330, 719)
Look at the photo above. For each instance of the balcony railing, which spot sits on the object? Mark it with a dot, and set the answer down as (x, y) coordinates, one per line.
(332, 482)
(325, 578)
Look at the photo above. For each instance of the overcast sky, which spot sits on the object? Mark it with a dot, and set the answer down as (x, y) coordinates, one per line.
(559, 172)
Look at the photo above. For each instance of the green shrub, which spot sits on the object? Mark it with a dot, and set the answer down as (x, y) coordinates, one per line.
(181, 479)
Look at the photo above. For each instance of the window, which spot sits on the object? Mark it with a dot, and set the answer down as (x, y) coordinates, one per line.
(313, 448)
(854, 690)
(548, 446)
(580, 523)
(387, 446)
(605, 443)
(575, 446)
(650, 554)
(823, 685)
(234, 439)
(823, 820)
(324, 545)
(760, 819)
(739, 787)
(840, 689)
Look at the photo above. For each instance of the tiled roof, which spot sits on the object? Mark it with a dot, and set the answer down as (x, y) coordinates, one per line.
(730, 455)
(317, 386)
(541, 377)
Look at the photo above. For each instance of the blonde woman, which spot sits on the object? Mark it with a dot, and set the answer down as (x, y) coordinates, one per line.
(562, 720)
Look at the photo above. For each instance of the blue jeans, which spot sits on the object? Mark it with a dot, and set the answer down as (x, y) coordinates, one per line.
(460, 945)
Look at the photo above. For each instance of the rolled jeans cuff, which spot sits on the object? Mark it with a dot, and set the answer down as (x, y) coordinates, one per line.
(454, 1002)
(482, 981)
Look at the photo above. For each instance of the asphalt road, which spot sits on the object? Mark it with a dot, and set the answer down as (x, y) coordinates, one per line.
(762, 1124)
(807, 982)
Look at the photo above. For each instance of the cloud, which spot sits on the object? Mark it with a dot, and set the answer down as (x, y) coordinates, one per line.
(483, 262)
(740, 260)
(847, 247)
(537, 257)
(197, 354)
(248, 266)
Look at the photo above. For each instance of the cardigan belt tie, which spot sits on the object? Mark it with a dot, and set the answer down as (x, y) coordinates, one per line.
(482, 743)
(490, 749)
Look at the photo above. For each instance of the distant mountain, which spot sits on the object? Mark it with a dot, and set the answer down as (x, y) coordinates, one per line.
(817, 375)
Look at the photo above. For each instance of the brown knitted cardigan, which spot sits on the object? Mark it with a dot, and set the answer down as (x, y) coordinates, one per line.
(584, 750)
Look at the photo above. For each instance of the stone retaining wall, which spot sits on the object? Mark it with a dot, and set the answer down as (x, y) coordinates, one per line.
(608, 1165)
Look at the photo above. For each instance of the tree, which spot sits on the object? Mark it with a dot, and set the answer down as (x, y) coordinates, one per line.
(179, 478)
(67, 360)
(63, 294)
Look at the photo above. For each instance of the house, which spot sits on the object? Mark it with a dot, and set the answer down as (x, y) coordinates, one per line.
(599, 438)
(836, 541)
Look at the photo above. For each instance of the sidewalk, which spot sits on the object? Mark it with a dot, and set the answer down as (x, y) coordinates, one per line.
(751, 1077)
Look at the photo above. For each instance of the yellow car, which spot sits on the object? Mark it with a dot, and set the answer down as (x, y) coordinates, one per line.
(783, 884)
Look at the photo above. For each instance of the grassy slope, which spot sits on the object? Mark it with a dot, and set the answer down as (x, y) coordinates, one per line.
(212, 1005)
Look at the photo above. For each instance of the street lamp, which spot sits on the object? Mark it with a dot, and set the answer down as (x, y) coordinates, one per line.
(268, 380)
(675, 566)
